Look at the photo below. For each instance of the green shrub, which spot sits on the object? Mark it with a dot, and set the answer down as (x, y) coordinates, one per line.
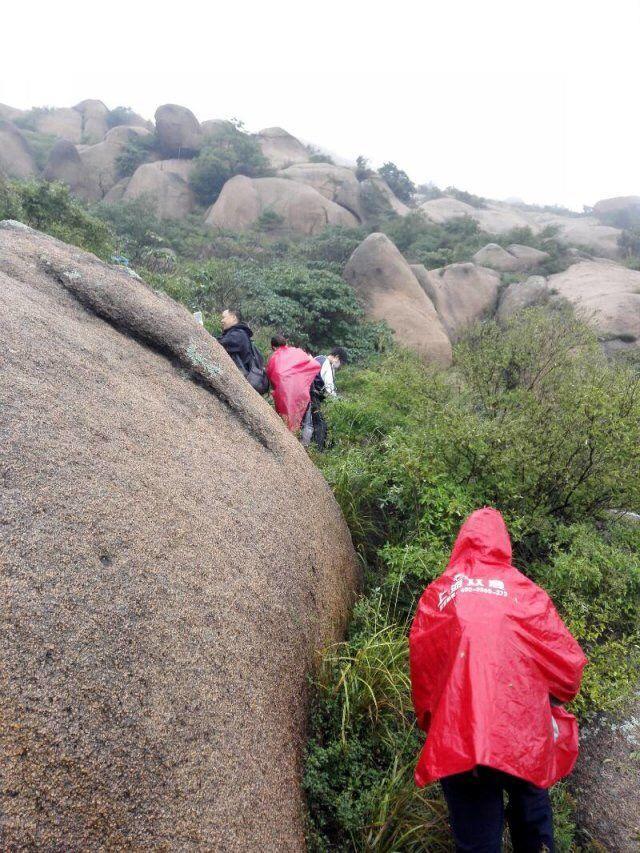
(49, 207)
(533, 420)
(29, 120)
(137, 151)
(424, 242)
(119, 116)
(231, 153)
(40, 145)
(399, 182)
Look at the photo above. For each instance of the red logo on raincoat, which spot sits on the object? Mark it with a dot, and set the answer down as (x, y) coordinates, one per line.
(291, 372)
(488, 650)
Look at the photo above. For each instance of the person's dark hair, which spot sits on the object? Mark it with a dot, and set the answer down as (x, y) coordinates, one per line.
(232, 309)
(278, 341)
(341, 353)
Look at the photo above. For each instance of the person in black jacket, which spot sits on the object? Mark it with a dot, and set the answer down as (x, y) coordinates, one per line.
(236, 338)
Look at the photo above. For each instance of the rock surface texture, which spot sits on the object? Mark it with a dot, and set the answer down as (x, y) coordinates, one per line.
(165, 184)
(390, 292)
(171, 563)
(178, 131)
(281, 148)
(605, 781)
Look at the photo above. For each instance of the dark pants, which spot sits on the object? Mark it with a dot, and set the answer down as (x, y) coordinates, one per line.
(476, 811)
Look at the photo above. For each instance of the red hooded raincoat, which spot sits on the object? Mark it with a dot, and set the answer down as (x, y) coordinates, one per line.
(487, 650)
(291, 372)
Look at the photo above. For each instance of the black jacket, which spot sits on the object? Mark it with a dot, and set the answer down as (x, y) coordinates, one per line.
(237, 342)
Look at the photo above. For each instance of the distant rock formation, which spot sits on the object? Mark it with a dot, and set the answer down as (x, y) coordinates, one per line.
(514, 258)
(173, 563)
(461, 293)
(298, 207)
(178, 131)
(281, 148)
(16, 159)
(165, 184)
(390, 291)
(337, 183)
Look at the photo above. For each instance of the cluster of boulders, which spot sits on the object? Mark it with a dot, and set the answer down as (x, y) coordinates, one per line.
(429, 309)
(301, 196)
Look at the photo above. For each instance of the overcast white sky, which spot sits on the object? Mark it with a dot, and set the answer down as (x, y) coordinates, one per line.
(537, 100)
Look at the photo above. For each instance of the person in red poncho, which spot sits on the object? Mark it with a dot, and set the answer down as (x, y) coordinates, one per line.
(291, 372)
(491, 664)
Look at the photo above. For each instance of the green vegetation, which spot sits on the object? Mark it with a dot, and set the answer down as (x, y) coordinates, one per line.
(40, 145)
(51, 208)
(29, 120)
(231, 152)
(120, 115)
(136, 152)
(532, 420)
(399, 182)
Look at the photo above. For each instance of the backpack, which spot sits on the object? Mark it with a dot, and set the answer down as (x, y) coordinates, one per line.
(256, 374)
(318, 390)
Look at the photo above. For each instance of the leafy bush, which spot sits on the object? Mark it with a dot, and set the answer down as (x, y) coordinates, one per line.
(399, 182)
(363, 170)
(424, 242)
(313, 308)
(119, 116)
(29, 120)
(231, 153)
(40, 145)
(136, 152)
(49, 207)
(533, 420)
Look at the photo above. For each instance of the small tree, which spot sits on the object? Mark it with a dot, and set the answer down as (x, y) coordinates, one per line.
(231, 153)
(398, 180)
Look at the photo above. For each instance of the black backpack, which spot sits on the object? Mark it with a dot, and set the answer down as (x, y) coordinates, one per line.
(256, 374)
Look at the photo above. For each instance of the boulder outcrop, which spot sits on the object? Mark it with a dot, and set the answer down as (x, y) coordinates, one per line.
(390, 291)
(16, 159)
(10, 113)
(337, 183)
(172, 563)
(165, 184)
(605, 294)
(100, 161)
(461, 293)
(523, 294)
(62, 122)
(95, 120)
(281, 148)
(299, 207)
(515, 258)
(620, 204)
(178, 131)
(65, 164)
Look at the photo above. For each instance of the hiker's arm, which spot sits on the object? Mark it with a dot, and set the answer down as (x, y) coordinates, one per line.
(557, 654)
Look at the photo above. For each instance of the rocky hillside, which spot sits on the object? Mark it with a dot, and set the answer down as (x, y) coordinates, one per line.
(231, 181)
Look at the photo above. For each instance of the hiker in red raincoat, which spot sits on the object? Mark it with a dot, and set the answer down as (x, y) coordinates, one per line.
(291, 372)
(491, 665)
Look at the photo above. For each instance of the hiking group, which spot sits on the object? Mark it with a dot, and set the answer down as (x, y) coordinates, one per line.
(491, 661)
(298, 381)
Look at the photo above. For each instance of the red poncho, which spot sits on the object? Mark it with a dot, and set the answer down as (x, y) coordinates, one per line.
(291, 372)
(487, 649)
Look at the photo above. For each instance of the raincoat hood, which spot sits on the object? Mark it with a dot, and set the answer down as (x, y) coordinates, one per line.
(487, 652)
(482, 538)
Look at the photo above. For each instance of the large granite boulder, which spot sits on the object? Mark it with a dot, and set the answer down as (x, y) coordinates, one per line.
(337, 183)
(281, 148)
(65, 164)
(214, 129)
(620, 204)
(172, 563)
(165, 184)
(605, 294)
(390, 291)
(605, 781)
(95, 120)
(62, 122)
(461, 293)
(521, 295)
(101, 161)
(445, 208)
(299, 207)
(514, 258)
(16, 159)
(178, 131)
